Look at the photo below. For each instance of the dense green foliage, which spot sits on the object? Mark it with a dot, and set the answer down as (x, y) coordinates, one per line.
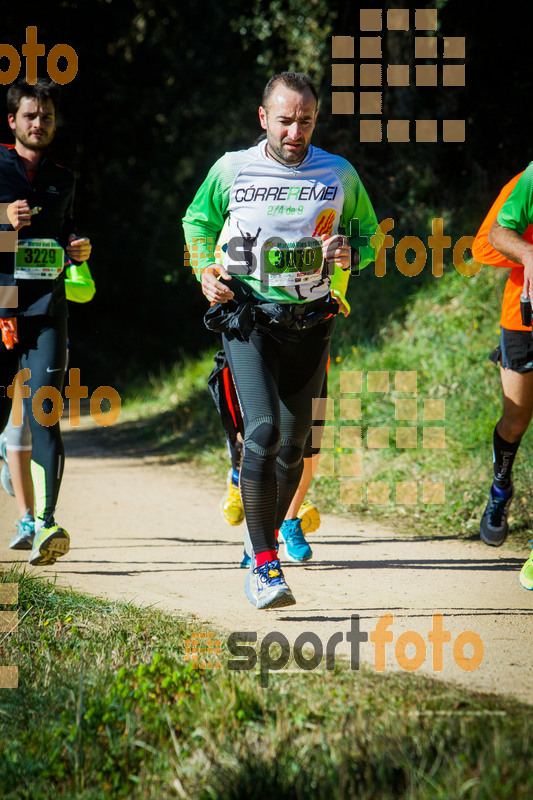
(163, 89)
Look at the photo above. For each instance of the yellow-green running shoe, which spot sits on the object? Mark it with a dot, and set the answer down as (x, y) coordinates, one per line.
(526, 573)
(50, 543)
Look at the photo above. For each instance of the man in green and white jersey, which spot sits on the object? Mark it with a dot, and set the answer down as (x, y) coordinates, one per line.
(285, 201)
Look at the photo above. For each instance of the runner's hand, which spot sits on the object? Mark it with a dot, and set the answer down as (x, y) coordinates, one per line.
(336, 249)
(18, 214)
(528, 275)
(212, 287)
(343, 308)
(78, 249)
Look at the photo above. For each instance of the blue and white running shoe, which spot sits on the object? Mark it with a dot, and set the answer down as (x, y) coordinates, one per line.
(23, 539)
(265, 586)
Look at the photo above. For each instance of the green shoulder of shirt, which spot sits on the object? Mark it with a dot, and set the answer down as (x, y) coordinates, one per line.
(358, 216)
(517, 211)
(204, 219)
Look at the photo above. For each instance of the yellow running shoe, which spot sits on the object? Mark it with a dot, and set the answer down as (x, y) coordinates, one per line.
(309, 517)
(231, 504)
(526, 573)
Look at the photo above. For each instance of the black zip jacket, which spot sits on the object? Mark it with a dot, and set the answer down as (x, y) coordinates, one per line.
(52, 189)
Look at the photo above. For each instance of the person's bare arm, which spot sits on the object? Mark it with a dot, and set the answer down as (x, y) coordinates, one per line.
(511, 245)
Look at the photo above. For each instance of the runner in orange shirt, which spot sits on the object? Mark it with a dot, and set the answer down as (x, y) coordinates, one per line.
(505, 239)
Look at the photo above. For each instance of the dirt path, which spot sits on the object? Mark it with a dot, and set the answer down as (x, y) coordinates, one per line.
(153, 534)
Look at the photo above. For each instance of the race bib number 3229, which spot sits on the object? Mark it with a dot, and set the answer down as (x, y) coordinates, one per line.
(38, 259)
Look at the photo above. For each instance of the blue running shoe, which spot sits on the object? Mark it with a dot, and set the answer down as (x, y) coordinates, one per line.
(246, 560)
(296, 548)
(493, 527)
(265, 586)
(23, 539)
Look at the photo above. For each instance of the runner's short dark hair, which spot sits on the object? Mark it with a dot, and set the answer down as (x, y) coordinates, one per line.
(296, 81)
(41, 90)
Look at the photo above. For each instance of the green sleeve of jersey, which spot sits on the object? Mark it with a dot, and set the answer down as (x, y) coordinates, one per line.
(358, 216)
(517, 211)
(79, 284)
(339, 284)
(204, 219)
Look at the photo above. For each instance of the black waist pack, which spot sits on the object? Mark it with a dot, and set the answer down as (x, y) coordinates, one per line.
(238, 317)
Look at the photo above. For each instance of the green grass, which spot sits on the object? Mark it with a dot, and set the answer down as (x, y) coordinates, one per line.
(107, 708)
(445, 335)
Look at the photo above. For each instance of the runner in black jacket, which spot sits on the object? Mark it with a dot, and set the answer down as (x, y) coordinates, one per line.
(33, 312)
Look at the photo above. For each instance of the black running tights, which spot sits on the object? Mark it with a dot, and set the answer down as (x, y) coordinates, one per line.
(43, 348)
(277, 374)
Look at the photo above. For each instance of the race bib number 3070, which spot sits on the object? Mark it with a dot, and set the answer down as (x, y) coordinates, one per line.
(293, 263)
(38, 259)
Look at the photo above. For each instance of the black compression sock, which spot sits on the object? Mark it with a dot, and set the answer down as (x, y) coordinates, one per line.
(503, 454)
(259, 496)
